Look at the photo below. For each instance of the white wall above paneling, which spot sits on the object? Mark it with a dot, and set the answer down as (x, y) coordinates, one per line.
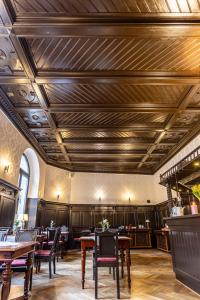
(112, 188)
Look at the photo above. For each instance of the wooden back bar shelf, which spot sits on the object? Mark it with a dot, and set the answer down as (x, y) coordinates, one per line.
(185, 245)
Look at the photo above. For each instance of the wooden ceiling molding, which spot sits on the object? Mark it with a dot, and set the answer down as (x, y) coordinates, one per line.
(102, 86)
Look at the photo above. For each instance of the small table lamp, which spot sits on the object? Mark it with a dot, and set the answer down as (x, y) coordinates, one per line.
(147, 223)
(23, 218)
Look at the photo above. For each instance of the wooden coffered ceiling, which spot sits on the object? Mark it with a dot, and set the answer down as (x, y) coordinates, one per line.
(102, 85)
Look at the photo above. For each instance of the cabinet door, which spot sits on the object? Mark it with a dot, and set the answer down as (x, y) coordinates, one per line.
(7, 211)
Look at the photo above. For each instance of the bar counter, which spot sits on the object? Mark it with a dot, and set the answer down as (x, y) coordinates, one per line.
(185, 248)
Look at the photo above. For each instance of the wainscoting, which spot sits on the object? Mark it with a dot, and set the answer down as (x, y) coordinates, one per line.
(79, 216)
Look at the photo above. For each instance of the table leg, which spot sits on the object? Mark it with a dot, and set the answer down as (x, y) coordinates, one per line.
(29, 263)
(6, 276)
(83, 258)
(128, 263)
(122, 261)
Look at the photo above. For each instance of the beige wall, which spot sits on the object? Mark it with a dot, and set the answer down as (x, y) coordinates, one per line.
(112, 188)
(57, 182)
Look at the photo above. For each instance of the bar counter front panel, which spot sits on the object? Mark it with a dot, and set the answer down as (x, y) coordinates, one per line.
(185, 248)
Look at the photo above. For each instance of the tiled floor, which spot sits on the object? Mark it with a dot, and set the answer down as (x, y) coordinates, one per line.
(151, 272)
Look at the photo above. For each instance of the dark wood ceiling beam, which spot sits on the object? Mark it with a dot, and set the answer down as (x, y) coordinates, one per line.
(135, 127)
(33, 18)
(112, 152)
(7, 80)
(113, 129)
(113, 170)
(103, 108)
(107, 140)
(120, 77)
(108, 161)
(111, 30)
(185, 99)
(117, 77)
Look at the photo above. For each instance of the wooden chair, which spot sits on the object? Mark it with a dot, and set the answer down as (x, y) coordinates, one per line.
(50, 240)
(48, 255)
(106, 255)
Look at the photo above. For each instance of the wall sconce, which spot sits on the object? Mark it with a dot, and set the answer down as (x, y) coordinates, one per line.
(58, 194)
(6, 168)
(99, 199)
(5, 164)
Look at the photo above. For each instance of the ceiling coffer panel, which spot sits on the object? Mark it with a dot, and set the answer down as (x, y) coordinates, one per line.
(120, 53)
(102, 7)
(109, 118)
(112, 94)
(105, 134)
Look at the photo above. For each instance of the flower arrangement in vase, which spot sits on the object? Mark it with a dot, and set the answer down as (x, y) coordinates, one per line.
(104, 224)
(196, 190)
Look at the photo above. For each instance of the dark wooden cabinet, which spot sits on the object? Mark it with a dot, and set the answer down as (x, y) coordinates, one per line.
(140, 238)
(8, 198)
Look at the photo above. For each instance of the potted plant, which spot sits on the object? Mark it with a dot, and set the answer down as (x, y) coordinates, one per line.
(104, 224)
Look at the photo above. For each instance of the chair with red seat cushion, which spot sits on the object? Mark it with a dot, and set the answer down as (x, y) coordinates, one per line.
(50, 240)
(48, 255)
(106, 255)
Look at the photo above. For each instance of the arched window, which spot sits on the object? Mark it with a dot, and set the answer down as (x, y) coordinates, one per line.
(24, 176)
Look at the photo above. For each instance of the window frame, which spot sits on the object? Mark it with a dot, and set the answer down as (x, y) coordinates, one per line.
(27, 175)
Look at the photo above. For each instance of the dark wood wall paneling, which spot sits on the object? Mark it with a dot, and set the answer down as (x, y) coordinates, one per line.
(8, 195)
(47, 211)
(79, 216)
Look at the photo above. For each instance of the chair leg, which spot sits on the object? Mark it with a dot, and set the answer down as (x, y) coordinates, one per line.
(31, 280)
(113, 273)
(118, 286)
(50, 272)
(96, 282)
(54, 265)
(110, 271)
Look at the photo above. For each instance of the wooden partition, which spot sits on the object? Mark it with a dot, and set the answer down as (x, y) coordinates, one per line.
(185, 245)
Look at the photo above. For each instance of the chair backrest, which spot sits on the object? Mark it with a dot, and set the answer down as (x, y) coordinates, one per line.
(85, 232)
(26, 235)
(56, 240)
(3, 235)
(50, 233)
(64, 228)
(106, 243)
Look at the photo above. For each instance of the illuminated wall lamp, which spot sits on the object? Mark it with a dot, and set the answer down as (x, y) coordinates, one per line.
(6, 168)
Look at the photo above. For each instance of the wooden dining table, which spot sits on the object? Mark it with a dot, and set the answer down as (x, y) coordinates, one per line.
(10, 251)
(88, 242)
